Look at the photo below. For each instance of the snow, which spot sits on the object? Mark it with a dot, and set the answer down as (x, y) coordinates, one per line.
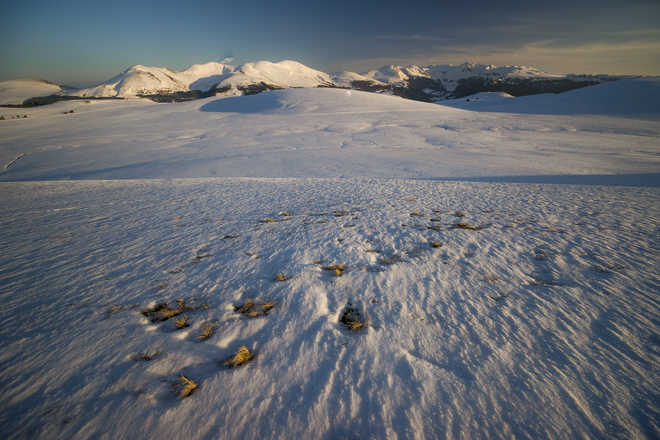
(635, 97)
(144, 80)
(542, 323)
(344, 79)
(450, 74)
(283, 74)
(16, 91)
(320, 133)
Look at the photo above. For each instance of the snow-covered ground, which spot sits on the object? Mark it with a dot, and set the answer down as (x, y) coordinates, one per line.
(328, 133)
(495, 309)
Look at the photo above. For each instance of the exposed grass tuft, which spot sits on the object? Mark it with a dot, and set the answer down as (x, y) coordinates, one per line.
(241, 357)
(163, 312)
(208, 330)
(281, 277)
(338, 269)
(253, 310)
(351, 318)
(466, 226)
(182, 323)
(186, 387)
(145, 356)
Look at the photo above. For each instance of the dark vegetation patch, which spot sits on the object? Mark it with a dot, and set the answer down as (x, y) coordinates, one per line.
(45, 100)
(352, 318)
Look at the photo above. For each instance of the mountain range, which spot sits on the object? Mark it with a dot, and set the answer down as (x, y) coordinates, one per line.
(423, 83)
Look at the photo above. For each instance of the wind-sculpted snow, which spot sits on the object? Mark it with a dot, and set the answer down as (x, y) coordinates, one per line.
(540, 322)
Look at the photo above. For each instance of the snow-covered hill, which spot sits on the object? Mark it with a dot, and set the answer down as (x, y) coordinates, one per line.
(634, 97)
(14, 92)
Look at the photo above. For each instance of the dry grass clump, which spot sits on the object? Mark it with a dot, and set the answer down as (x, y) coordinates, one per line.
(253, 310)
(338, 269)
(181, 323)
(281, 277)
(466, 226)
(435, 244)
(163, 312)
(286, 214)
(351, 318)
(145, 356)
(241, 357)
(208, 330)
(186, 386)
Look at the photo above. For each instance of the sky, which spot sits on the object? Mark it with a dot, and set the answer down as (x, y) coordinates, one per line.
(84, 42)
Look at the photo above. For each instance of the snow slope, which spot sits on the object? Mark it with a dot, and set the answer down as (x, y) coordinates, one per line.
(18, 90)
(633, 97)
(493, 309)
(319, 133)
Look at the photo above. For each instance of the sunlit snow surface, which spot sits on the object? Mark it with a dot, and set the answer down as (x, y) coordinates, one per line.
(543, 323)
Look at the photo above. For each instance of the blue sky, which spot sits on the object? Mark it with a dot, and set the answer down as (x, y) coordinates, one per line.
(85, 42)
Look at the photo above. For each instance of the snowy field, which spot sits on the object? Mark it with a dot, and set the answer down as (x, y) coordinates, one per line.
(497, 298)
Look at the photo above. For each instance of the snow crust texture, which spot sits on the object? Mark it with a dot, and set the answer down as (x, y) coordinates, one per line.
(540, 323)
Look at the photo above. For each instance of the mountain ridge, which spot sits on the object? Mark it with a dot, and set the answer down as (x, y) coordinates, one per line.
(429, 83)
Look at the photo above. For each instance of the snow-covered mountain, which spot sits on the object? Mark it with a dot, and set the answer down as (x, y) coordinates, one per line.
(450, 74)
(422, 83)
(446, 81)
(145, 81)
